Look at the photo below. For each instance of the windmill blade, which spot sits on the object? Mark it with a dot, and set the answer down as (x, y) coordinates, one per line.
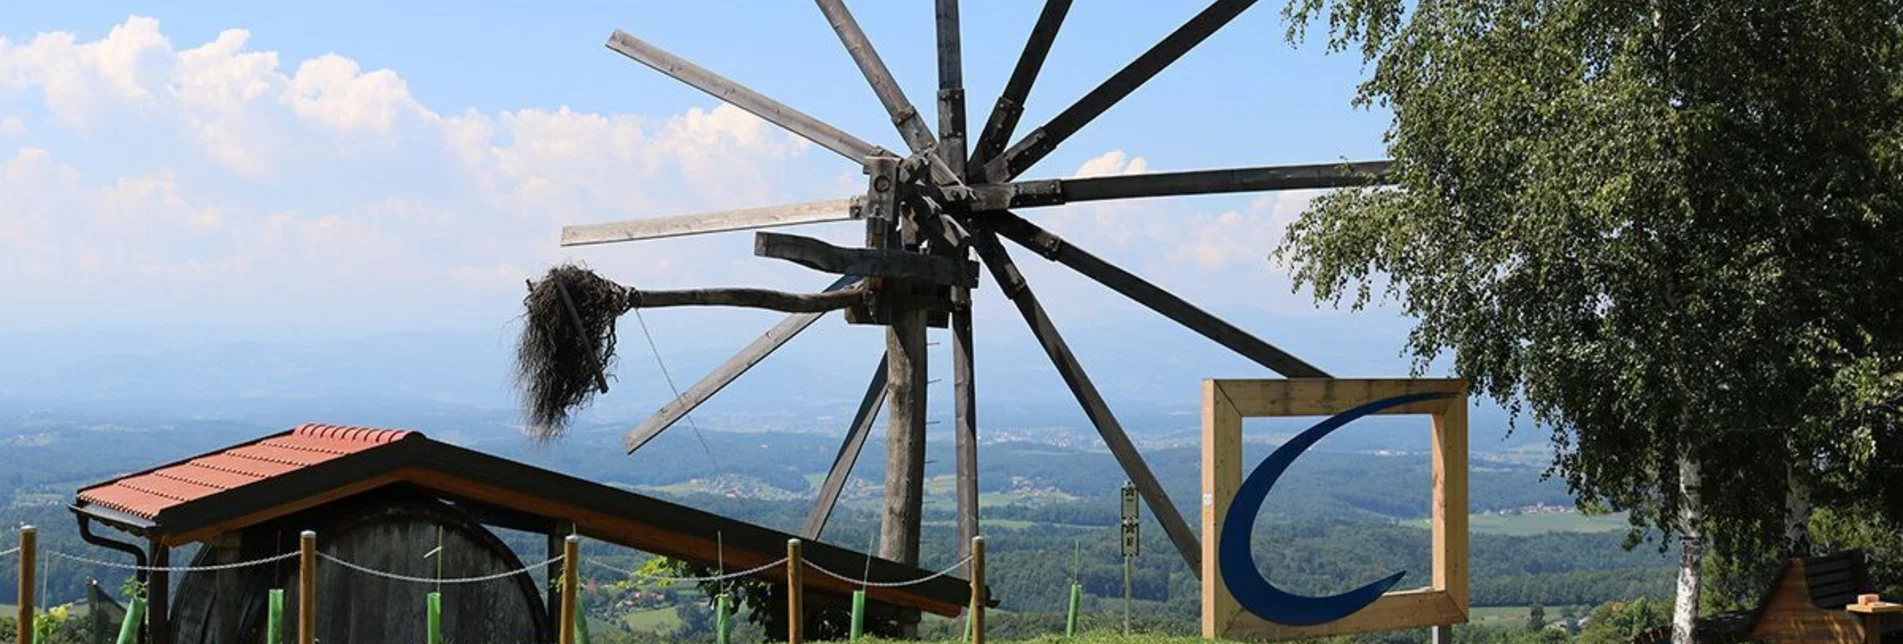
(1010, 107)
(910, 124)
(1040, 142)
(951, 87)
(1012, 283)
(727, 372)
(1054, 248)
(740, 96)
(1051, 192)
(849, 450)
(811, 212)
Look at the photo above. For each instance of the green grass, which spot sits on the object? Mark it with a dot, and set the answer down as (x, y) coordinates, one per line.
(1520, 525)
(654, 620)
(1499, 614)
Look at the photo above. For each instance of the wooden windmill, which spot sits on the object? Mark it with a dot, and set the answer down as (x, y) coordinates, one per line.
(925, 214)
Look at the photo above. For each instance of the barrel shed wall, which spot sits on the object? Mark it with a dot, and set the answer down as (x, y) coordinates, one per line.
(389, 531)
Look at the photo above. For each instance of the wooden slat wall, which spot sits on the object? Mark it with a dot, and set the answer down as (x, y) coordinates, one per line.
(1790, 616)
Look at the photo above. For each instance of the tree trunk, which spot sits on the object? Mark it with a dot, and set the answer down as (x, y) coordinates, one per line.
(1797, 510)
(1691, 514)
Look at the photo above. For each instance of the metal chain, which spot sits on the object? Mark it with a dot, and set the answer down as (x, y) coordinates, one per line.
(891, 584)
(433, 580)
(213, 567)
(692, 580)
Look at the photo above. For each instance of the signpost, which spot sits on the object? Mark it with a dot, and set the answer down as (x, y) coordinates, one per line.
(1132, 546)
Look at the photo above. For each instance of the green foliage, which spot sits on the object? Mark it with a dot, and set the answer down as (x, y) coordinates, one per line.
(1663, 228)
(1620, 622)
(1536, 618)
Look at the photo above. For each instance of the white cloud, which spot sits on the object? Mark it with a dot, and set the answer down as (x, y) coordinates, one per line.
(210, 173)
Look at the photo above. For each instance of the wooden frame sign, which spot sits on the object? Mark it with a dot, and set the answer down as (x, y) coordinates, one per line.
(1242, 605)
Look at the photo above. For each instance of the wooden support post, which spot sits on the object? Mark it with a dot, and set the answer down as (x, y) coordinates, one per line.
(905, 443)
(557, 534)
(977, 590)
(965, 396)
(571, 558)
(795, 591)
(29, 557)
(158, 604)
(307, 587)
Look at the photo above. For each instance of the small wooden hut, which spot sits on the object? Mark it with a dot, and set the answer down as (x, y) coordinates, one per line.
(382, 499)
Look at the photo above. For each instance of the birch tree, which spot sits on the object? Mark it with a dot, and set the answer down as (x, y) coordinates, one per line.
(1664, 229)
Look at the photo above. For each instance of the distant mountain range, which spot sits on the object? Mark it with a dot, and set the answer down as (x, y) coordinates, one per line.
(1148, 368)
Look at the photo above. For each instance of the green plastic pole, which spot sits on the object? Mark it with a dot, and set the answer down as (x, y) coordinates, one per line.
(435, 601)
(723, 620)
(1070, 619)
(135, 614)
(581, 627)
(274, 618)
(858, 614)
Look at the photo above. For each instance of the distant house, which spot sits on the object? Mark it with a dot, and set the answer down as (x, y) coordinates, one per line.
(1805, 603)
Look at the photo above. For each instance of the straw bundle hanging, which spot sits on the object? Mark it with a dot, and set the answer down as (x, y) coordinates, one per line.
(567, 345)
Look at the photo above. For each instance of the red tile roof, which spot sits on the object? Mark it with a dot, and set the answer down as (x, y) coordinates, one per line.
(147, 493)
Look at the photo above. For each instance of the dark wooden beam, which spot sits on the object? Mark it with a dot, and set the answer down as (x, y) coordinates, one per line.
(726, 373)
(951, 88)
(1010, 106)
(753, 298)
(849, 449)
(740, 96)
(869, 262)
(158, 596)
(1012, 283)
(1051, 192)
(911, 126)
(965, 430)
(1054, 248)
(1034, 146)
(899, 524)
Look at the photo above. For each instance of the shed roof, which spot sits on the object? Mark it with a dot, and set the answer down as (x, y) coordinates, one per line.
(278, 475)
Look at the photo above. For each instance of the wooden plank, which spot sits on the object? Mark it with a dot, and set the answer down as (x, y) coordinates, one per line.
(1329, 396)
(740, 96)
(965, 425)
(1050, 192)
(1449, 514)
(795, 593)
(867, 262)
(29, 569)
(906, 117)
(726, 373)
(1003, 121)
(918, 137)
(1393, 611)
(712, 222)
(1222, 474)
(1012, 283)
(849, 450)
(1054, 248)
(1034, 146)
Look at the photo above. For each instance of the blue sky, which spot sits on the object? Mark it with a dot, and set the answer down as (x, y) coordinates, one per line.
(354, 168)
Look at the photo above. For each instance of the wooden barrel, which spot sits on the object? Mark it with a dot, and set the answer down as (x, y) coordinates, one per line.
(389, 531)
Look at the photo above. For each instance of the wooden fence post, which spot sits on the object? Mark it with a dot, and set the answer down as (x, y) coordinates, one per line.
(307, 587)
(795, 589)
(29, 545)
(571, 574)
(977, 590)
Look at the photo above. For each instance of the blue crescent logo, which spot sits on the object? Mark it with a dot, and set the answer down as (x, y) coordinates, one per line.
(1239, 573)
